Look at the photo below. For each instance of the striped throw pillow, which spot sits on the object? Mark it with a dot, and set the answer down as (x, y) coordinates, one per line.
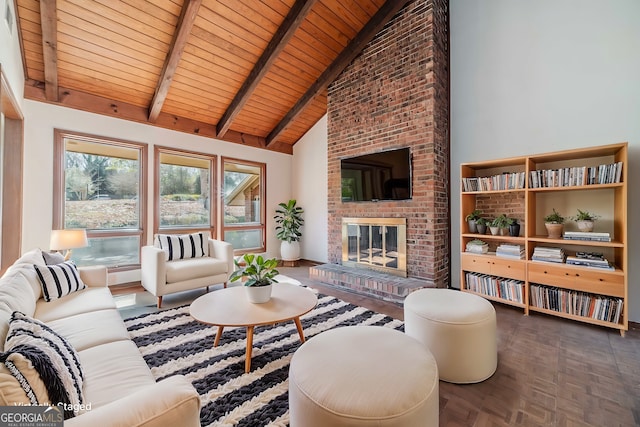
(59, 280)
(183, 246)
(35, 353)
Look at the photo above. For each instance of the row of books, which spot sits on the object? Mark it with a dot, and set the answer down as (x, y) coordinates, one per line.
(548, 254)
(508, 250)
(508, 289)
(587, 235)
(504, 181)
(577, 175)
(608, 309)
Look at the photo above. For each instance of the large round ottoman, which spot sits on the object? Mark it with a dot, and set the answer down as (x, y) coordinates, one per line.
(458, 328)
(363, 376)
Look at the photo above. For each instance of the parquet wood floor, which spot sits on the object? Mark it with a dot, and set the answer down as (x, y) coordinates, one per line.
(551, 371)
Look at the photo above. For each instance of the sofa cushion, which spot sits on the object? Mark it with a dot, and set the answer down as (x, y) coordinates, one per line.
(91, 329)
(16, 294)
(184, 246)
(59, 280)
(32, 351)
(24, 267)
(180, 270)
(52, 258)
(113, 370)
(84, 301)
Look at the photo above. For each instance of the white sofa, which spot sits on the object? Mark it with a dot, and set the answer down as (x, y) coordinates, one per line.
(161, 277)
(118, 384)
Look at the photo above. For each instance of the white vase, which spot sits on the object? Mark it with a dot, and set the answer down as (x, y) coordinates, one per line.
(585, 225)
(258, 294)
(289, 251)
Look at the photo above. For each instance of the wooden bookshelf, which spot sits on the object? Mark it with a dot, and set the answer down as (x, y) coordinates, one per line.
(593, 178)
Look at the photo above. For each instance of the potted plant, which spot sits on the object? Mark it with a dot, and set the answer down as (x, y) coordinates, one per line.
(481, 225)
(260, 274)
(554, 224)
(585, 220)
(514, 227)
(501, 223)
(289, 220)
(472, 219)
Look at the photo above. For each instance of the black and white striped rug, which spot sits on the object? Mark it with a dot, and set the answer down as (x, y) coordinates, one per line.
(173, 343)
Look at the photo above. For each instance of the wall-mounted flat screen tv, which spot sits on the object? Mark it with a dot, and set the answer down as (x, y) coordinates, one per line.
(377, 176)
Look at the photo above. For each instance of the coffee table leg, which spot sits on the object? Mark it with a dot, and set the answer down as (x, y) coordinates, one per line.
(299, 326)
(218, 335)
(247, 361)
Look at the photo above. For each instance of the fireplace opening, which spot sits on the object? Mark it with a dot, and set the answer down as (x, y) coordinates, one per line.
(375, 243)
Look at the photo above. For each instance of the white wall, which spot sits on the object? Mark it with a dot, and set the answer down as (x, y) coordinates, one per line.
(40, 121)
(310, 189)
(530, 77)
(10, 59)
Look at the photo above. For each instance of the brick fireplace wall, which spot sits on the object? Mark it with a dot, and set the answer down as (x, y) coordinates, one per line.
(396, 94)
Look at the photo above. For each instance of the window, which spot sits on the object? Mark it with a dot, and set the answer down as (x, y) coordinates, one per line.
(99, 186)
(184, 191)
(243, 205)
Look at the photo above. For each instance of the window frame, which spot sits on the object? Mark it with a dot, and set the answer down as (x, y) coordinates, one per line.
(59, 193)
(213, 191)
(263, 205)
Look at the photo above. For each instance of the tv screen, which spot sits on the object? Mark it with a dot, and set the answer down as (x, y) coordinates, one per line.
(377, 176)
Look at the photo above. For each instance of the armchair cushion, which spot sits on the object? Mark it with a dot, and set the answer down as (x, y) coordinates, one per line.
(187, 269)
(183, 246)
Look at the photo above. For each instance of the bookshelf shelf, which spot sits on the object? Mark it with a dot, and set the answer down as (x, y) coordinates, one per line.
(604, 171)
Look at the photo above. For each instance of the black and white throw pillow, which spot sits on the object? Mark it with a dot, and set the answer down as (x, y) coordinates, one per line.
(59, 280)
(34, 352)
(183, 246)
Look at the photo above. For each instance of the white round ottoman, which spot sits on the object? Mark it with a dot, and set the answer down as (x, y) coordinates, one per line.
(363, 376)
(458, 328)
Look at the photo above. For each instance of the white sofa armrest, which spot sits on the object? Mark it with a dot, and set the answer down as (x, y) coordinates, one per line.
(94, 276)
(223, 251)
(170, 402)
(152, 269)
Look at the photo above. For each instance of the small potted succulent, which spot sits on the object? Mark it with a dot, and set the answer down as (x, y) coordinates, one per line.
(502, 224)
(481, 225)
(260, 274)
(554, 222)
(472, 220)
(585, 220)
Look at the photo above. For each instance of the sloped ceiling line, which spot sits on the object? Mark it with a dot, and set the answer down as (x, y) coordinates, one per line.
(183, 30)
(294, 18)
(353, 49)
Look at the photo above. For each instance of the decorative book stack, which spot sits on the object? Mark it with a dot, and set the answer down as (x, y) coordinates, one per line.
(587, 235)
(548, 254)
(477, 246)
(590, 259)
(508, 250)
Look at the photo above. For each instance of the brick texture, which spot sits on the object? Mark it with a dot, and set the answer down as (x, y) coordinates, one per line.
(396, 94)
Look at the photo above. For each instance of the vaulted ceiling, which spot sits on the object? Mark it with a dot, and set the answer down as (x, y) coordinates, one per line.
(245, 71)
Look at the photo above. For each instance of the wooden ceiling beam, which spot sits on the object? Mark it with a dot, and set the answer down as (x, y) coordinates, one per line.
(83, 101)
(353, 49)
(292, 21)
(183, 30)
(49, 24)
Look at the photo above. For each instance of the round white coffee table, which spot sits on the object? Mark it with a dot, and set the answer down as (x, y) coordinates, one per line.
(230, 307)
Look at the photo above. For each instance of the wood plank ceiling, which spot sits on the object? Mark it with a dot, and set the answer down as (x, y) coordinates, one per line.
(246, 71)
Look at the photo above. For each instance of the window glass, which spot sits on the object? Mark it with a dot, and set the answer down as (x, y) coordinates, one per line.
(243, 196)
(98, 188)
(185, 192)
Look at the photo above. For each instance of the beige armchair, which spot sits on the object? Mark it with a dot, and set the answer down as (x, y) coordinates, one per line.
(161, 277)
